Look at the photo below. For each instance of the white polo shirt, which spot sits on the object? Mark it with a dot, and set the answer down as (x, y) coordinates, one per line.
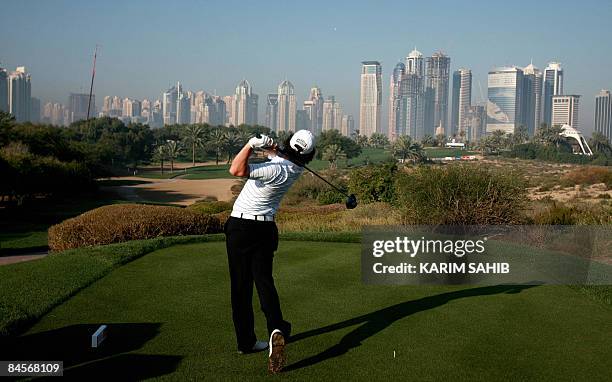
(267, 184)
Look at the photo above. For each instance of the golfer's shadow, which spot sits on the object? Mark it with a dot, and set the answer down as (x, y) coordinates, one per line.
(114, 359)
(375, 322)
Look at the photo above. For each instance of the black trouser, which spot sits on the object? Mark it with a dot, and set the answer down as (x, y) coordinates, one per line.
(250, 250)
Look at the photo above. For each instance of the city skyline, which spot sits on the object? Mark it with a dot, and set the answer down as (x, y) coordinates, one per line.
(318, 48)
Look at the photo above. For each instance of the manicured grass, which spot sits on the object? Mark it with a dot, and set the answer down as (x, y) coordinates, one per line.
(31, 239)
(25, 227)
(28, 290)
(208, 172)
(171, 319)
(158, 175)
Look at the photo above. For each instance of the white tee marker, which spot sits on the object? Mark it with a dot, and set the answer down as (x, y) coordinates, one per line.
(99, 336)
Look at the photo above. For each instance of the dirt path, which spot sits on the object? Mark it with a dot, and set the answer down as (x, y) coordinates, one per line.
(177, 191)
(21, 258)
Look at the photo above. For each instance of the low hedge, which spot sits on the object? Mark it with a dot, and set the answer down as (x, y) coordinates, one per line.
(124, 222)
(210, 207)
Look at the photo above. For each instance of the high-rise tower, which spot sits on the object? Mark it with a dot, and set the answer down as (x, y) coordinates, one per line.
(396, 126)
(20, 94)
(436, 92)
(532, 98)
(552, 86)
(272, 112)
(371, 98)
(462, 100)
(286, 107)
(603, 114)
(504, 107)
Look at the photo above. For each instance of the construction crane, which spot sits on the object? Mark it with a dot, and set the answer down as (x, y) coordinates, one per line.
(93, 74)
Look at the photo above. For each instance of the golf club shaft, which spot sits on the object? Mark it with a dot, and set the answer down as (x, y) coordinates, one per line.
(313, 172)
(318, 176)
(325, 180)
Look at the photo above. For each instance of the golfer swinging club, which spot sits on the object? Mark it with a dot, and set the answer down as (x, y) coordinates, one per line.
(252, 238)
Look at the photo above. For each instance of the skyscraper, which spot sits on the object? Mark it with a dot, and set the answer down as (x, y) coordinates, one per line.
(332, 114)
(532, 98)
(302, 120)
(77, 106)
(183, 106)
(286, 107)
(603, 114)
(245, 104)
(436, 92)
(169, 98)
(505, 87)
(412, 91)
(462, 99)
(20, 94)
(552, 86)
(132, 108)
(4, 104)
(396, 123)
(371, 98)
(314, 107)
(347, 127)
(229, 110)
(35, 111)
(272, 112)
(565, 110)
(116, 107)
(474, 120)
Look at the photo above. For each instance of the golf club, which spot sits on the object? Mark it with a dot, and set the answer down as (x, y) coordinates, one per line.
(351, 200)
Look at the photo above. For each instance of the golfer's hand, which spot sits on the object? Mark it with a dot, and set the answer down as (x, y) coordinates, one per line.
(261, 142)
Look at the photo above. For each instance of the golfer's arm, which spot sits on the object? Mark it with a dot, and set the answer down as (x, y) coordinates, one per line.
(240, 164)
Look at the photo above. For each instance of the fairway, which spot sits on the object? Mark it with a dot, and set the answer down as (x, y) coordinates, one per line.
(171, 320)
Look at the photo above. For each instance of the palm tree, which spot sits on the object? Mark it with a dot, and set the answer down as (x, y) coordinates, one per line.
(428, 140)
(555, 136)
(405, 148)
(521, 135)
(194, 134)
(600, 144)
(243, 136)
(217, 139)
(379, 140)
(362, 141)
(173, 149)
(440, 139)
(401, 147)
(232, 143)
(159, 155)
(416, 153)
(332, 154)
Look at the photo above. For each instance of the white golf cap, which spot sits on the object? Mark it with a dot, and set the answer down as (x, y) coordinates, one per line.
(302, 141)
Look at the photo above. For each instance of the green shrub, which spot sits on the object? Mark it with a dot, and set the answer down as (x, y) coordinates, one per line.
(460, 195)
(554, 213)
(588, 175)
(210, 207)
(125, 222)
(330, 197)
(374, 183)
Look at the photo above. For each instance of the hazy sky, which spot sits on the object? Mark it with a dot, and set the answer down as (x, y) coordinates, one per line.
(146, 46)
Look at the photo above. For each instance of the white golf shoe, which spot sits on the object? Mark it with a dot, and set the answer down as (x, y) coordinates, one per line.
(259, 346)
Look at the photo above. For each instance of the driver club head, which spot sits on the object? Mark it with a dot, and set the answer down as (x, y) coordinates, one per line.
(351, 201)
